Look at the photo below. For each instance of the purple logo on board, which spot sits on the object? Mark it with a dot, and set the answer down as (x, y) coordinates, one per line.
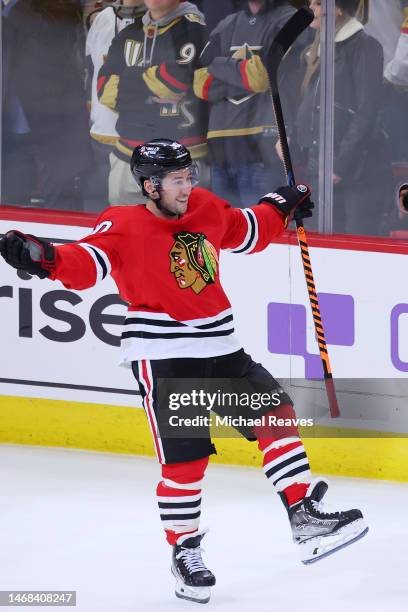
(287, 328)
(396, 314)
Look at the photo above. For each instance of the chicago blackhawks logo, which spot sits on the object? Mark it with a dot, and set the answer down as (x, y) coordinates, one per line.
(193, 261)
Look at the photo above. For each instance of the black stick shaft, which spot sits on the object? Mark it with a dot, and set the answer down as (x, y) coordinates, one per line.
(285, 38)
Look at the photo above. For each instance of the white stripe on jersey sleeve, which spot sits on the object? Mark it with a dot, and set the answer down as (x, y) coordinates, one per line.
(100, 259)
(251, 237)
(254, 242)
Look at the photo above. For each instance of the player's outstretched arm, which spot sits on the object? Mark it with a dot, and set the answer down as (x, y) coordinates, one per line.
(28, 253)
(78, 265)
(250, 230)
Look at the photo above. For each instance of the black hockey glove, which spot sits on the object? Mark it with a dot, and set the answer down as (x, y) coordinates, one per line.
(28, 253)
(291, 201)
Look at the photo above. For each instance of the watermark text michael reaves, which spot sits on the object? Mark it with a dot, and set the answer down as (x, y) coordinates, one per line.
(237, 421)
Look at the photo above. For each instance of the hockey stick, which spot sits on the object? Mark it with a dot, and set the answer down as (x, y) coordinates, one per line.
(280, 46)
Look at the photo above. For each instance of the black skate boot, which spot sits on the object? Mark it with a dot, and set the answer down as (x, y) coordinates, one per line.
(193, 579)
(319, 533)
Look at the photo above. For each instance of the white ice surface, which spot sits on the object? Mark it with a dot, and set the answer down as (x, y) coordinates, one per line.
(74, 520)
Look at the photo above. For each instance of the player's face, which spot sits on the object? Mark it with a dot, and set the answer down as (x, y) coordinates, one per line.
(176, 189)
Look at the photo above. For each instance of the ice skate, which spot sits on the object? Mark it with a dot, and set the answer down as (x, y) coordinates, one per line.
(318, 533)
(193, 579)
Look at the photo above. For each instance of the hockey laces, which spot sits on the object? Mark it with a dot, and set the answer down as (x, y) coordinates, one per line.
(318, 506)
(192, 559)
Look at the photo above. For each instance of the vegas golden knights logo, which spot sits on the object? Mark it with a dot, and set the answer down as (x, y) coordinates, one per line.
(133, 53)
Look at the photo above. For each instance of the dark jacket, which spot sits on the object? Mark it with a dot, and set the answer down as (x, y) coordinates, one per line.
(150, 65)
(234, 81)
(215, 11)
(358, 99)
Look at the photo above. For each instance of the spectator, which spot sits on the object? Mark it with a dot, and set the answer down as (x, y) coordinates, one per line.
(396, 103)
(384, 20)
(46, 147)
(147, 79)
(403, 199)
(17, 156)
(234, 81)
(398, 219)
(362, 175)
(91, 8)
(214, 12)
(106, 25)
(396, 71)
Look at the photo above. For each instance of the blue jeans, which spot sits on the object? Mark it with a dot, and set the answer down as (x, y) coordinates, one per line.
(244, 184)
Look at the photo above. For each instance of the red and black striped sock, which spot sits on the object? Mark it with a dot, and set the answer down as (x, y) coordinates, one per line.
(285, 463)
(179, 497)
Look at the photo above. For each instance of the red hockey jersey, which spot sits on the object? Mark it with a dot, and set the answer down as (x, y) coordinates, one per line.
(167, 271)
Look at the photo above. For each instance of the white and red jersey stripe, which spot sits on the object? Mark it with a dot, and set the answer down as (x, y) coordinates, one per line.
(145, 379)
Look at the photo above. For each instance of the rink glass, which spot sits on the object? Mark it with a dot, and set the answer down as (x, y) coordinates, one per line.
(49, 160)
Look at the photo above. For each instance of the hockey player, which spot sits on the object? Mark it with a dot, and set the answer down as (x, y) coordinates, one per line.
(164, 258)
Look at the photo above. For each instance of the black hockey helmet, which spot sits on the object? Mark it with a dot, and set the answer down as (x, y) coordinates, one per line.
(156, 158)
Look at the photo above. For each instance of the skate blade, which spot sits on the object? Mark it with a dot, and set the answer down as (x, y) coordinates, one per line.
(197, 594)
(315, 549)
